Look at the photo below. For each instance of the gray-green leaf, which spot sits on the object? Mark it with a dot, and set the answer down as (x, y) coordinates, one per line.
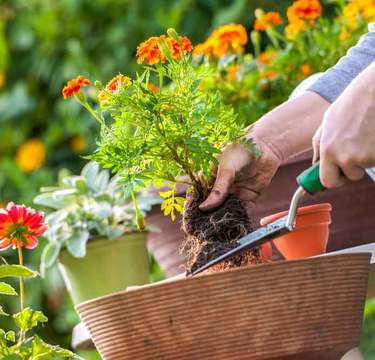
(90, 172)
(49, 256)
(76, 244)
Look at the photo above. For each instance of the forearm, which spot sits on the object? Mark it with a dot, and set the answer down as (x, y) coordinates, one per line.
(288, 129)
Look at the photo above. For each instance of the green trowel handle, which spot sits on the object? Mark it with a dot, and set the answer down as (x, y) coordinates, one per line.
(310, 179)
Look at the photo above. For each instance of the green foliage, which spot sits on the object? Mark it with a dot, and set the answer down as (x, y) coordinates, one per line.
(25, 345)
(86, 206)
(172, 135)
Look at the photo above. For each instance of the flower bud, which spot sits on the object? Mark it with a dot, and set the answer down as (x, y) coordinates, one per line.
(259, 13)
(256, 40)
(173, 34)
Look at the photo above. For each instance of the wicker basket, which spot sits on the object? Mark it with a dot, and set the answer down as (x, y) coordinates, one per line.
(303, 309)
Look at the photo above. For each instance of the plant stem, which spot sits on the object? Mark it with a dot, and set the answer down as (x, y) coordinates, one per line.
(22, 285)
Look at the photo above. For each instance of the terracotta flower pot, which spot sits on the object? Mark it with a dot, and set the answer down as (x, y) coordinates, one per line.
(290, 309)
(311, 233)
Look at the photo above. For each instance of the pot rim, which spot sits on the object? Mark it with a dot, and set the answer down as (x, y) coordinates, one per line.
(305, 210)
(202, 276)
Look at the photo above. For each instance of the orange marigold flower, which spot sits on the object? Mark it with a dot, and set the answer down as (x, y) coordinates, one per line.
(78, 144)
(225, 39)
(31, 155)
(304, 10)
(74, 86)
(232, 72)
(305, 71)
(269, 74)
(2, 79)
(149, 51)
(295, 28)
(20, 227)
(175, 47)
(265, 57)
(344, 35)
(206, 48)
(267, 21)
(229, 38)
(118, 81)
(152, 87)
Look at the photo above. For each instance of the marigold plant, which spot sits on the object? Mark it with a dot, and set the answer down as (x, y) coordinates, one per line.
(171, 135)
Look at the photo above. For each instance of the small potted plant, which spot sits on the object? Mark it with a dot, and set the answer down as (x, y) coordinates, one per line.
(93, 233)
(20, 228)
(169, 137)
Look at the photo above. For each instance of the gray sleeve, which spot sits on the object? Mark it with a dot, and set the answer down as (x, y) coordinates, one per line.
(335, 80)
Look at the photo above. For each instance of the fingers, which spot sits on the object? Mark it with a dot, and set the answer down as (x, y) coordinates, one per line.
(353, 173)
(316, 144)
(224, 180)
(330, 174)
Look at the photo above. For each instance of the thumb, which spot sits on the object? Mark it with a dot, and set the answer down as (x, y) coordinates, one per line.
(220, 190)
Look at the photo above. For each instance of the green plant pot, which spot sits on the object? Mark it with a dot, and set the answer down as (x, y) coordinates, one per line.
(109, 266)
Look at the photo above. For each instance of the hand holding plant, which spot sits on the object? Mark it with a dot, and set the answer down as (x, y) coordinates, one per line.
(20, 228)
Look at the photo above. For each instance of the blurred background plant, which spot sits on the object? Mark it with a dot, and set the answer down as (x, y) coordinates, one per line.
(43, 43)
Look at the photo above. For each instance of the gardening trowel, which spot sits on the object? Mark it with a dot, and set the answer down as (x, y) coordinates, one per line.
(309, 182)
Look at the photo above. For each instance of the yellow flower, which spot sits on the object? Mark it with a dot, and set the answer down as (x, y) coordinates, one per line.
(294, 28)
(78, 144)
(2, 79)
(31, 155)
(102, 97)
(344, 35)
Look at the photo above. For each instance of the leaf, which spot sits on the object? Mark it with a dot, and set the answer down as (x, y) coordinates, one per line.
(102, 210)
(12, 357)
(43, 351)
(76, 244)
(49, 256)
(90, 172)
(47, 199)
(6, 289)
(102, 180)
(174, 203)
(166, 194)
(2, 312)
(16, 271)
(10, 336)
(28, 319)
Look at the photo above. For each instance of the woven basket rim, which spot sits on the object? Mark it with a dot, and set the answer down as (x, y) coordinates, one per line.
(248, 269)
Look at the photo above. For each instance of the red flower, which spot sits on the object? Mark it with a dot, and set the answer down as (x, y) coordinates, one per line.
(20, 227)
(74, 86)
(176, 48)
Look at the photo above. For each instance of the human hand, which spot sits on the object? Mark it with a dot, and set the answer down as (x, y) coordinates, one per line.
(345, 143)
(243, 173)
